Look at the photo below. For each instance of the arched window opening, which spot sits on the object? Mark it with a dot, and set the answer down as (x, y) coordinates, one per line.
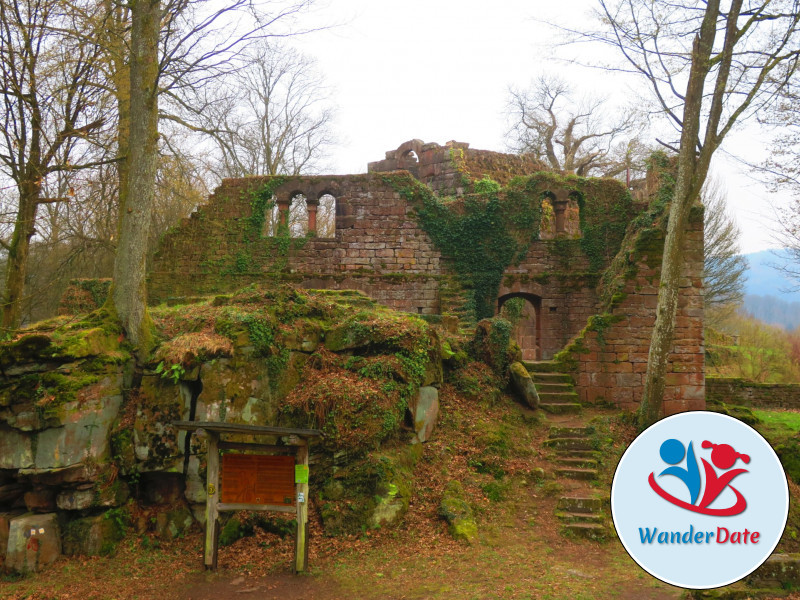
(547, 226)
(298, 216)
(326, 216)
(272, 217)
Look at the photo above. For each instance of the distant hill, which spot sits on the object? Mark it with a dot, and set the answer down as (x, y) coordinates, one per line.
(765, 280)
(773, 310)
(767, 295)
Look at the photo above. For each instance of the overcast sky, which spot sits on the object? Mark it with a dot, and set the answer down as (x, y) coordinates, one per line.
(439, 70)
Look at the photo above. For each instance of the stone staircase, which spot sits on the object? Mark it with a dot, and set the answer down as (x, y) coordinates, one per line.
(577, 460)
(556, 391)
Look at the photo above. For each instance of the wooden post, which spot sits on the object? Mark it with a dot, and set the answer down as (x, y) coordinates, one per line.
(212, 491)
(301, 542)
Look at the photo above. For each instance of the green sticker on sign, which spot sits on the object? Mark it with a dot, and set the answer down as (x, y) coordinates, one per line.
(301, 473)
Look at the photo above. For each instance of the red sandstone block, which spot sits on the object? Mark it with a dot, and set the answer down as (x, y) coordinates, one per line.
(627, 380)
(696, 403)
(672, 407)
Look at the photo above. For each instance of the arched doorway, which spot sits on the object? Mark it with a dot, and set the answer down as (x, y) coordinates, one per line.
(524, 313)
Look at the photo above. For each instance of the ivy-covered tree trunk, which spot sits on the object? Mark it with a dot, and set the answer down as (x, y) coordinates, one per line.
(130, 293)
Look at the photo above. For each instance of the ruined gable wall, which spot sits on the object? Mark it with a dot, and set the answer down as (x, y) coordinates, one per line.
(609, 357)
(447, 169)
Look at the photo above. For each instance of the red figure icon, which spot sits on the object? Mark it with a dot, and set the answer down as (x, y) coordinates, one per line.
(724, 457)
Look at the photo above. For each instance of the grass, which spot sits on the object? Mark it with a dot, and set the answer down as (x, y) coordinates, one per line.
(777, 425)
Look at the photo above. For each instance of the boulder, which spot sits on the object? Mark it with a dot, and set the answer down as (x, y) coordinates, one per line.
(84, 434)
(34, 541)
(523, 384)
(236, 390)
(174, 523)
(195, 492)
(74, 474)
(425, 412)
(458, 513)
(104, 495)
(493, 344)
(16, 449)
(5, 524)
(93, 536)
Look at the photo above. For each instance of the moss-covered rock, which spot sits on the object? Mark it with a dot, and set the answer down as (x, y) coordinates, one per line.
(372, 492)
(457, 512)
(523, 384)
(493, 345)
(174, 523)
(95, 536)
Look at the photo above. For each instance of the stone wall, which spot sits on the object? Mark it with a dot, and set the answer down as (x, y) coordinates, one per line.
(736, 391)
(610, 355)
(587, 294)
(378, 246)
(448, 168)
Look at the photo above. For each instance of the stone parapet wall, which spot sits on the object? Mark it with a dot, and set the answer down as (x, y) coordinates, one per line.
(749, 393)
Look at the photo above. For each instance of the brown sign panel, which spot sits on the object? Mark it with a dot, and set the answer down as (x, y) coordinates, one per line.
(257, 479)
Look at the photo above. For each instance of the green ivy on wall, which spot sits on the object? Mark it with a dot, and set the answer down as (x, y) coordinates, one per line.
(493, 227)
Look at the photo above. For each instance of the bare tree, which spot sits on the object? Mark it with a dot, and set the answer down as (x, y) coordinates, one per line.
(725, 269)
(51, 110)
(782, 171)
(572, 136)
(174, 46)
(275, 117)
(709, 65)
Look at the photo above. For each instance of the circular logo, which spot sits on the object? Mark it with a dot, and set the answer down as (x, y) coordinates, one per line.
(699, 500)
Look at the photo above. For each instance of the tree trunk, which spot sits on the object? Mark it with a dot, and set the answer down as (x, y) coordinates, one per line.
(686, 190)
(130, 293)
(18, 250)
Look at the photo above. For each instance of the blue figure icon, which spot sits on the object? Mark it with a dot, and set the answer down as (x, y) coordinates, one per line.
(672, 452)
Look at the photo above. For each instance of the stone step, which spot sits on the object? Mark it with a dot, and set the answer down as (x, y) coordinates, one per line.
(576, 473)
(552, 378)
(577, 463)
(569, 443)
(580, 504)
(576, 517)
(584, 454)
(565, 432)
(560, 408)
(592, 531)
(549, 388)
(542, 366)
(558, 397)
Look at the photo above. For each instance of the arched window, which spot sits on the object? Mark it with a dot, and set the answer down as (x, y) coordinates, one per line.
(298, 216)
(272, 217)
(326, 216)
(547, 226)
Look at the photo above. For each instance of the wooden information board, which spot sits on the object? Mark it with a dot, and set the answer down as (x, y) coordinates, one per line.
(258, 479)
